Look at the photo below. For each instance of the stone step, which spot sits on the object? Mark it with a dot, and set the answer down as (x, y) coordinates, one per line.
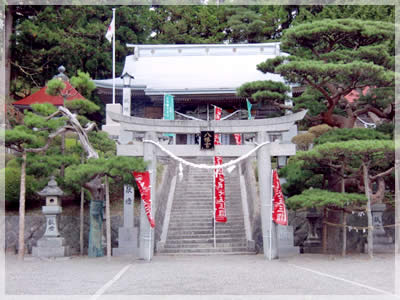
(192, 213)
(201, 217)
(210, 221)
(202, 232)
(206, 236)
(205, 245)
(206, 240)
(205, 250)
(179, 228)
(207, 253)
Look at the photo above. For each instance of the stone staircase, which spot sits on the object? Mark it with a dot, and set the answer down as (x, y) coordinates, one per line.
(191, 230)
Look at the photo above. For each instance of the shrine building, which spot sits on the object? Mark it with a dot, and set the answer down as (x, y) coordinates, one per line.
(198, 76)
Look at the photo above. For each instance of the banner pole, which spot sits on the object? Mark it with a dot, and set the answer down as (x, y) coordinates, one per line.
(272, 209)
(214, 211)
(113, 55)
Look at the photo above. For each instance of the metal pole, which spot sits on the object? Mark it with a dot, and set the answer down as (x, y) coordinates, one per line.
(214, 211)
(272, 210)
(213, 187)
(113, 54)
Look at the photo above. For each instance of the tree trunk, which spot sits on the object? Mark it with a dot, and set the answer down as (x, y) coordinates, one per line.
(344, 233)
(108, 218)
(369, 213)
(21, 232)
(96, 229)
(81, 221)
(325, 231)
(9, 20)
(81, 216)
(96, 190)
(62, 168)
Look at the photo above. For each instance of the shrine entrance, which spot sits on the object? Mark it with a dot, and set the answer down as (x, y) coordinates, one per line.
(144, 138)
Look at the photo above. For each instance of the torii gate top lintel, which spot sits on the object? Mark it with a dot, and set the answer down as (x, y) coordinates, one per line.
(135, 124)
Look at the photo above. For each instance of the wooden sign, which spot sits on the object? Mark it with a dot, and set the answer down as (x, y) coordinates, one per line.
(207, 140)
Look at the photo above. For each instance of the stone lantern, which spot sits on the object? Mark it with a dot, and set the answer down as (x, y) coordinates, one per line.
(51, 244)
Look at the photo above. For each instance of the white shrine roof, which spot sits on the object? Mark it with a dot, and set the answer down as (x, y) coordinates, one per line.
(195, 69)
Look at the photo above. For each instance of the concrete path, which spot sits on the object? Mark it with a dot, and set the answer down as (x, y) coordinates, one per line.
(306, 274)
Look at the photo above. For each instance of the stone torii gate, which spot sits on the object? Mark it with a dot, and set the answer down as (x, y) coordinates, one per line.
(263, 128)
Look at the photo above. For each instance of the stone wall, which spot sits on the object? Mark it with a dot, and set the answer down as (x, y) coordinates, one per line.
(68, 227)
(162, 195)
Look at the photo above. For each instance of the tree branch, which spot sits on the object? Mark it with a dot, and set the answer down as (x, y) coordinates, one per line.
(370, 108)
(319, 88)
(50, 138)
(382, 174)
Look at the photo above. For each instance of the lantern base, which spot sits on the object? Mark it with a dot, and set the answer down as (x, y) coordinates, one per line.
(50, 247)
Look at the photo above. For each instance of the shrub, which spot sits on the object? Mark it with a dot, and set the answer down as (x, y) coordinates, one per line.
(319, 130)
(12, 180)
(303, 141)
(348, 134)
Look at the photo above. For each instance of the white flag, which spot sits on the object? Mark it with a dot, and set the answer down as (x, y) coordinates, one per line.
(111, 30)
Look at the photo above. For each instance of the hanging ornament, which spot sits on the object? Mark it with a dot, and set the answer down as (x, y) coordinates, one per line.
(180, 172)
(364, 230)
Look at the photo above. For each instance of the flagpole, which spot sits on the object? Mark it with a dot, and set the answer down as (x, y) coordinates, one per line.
(113, 56)
(214, 196)
(272, 209)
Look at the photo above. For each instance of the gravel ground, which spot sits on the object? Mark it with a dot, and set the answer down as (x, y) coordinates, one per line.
(304, 274)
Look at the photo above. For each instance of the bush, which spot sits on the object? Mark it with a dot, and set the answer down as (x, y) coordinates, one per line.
(303, 141)
(13, 163)
(319, 130)
(12, 181)
(349, 134)
(386, 128)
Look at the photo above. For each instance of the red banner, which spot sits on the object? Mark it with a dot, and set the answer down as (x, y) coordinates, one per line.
(143, 182)
(280, 213)
(238, 138)
(220, 213)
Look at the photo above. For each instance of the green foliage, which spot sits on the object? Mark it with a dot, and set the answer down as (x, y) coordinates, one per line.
(12, 181)
(303, 141)
(264, 91)
(18, 137)
(117, 167)
(347, 134)
(311, 13)
(83, 83)
(376, 153)
(13, 163)
(333, 57)
(270, 65)
(314, 198)
(82, 107)
(44, 109)
(319, 130)
(101, 142)
(386, 128)
(55, 87)
(32, 120)
(300, 176)
(46, 37)
(312, 100)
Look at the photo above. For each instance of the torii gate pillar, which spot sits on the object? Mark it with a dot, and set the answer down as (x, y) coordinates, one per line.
(264, 182)
(146, 236)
